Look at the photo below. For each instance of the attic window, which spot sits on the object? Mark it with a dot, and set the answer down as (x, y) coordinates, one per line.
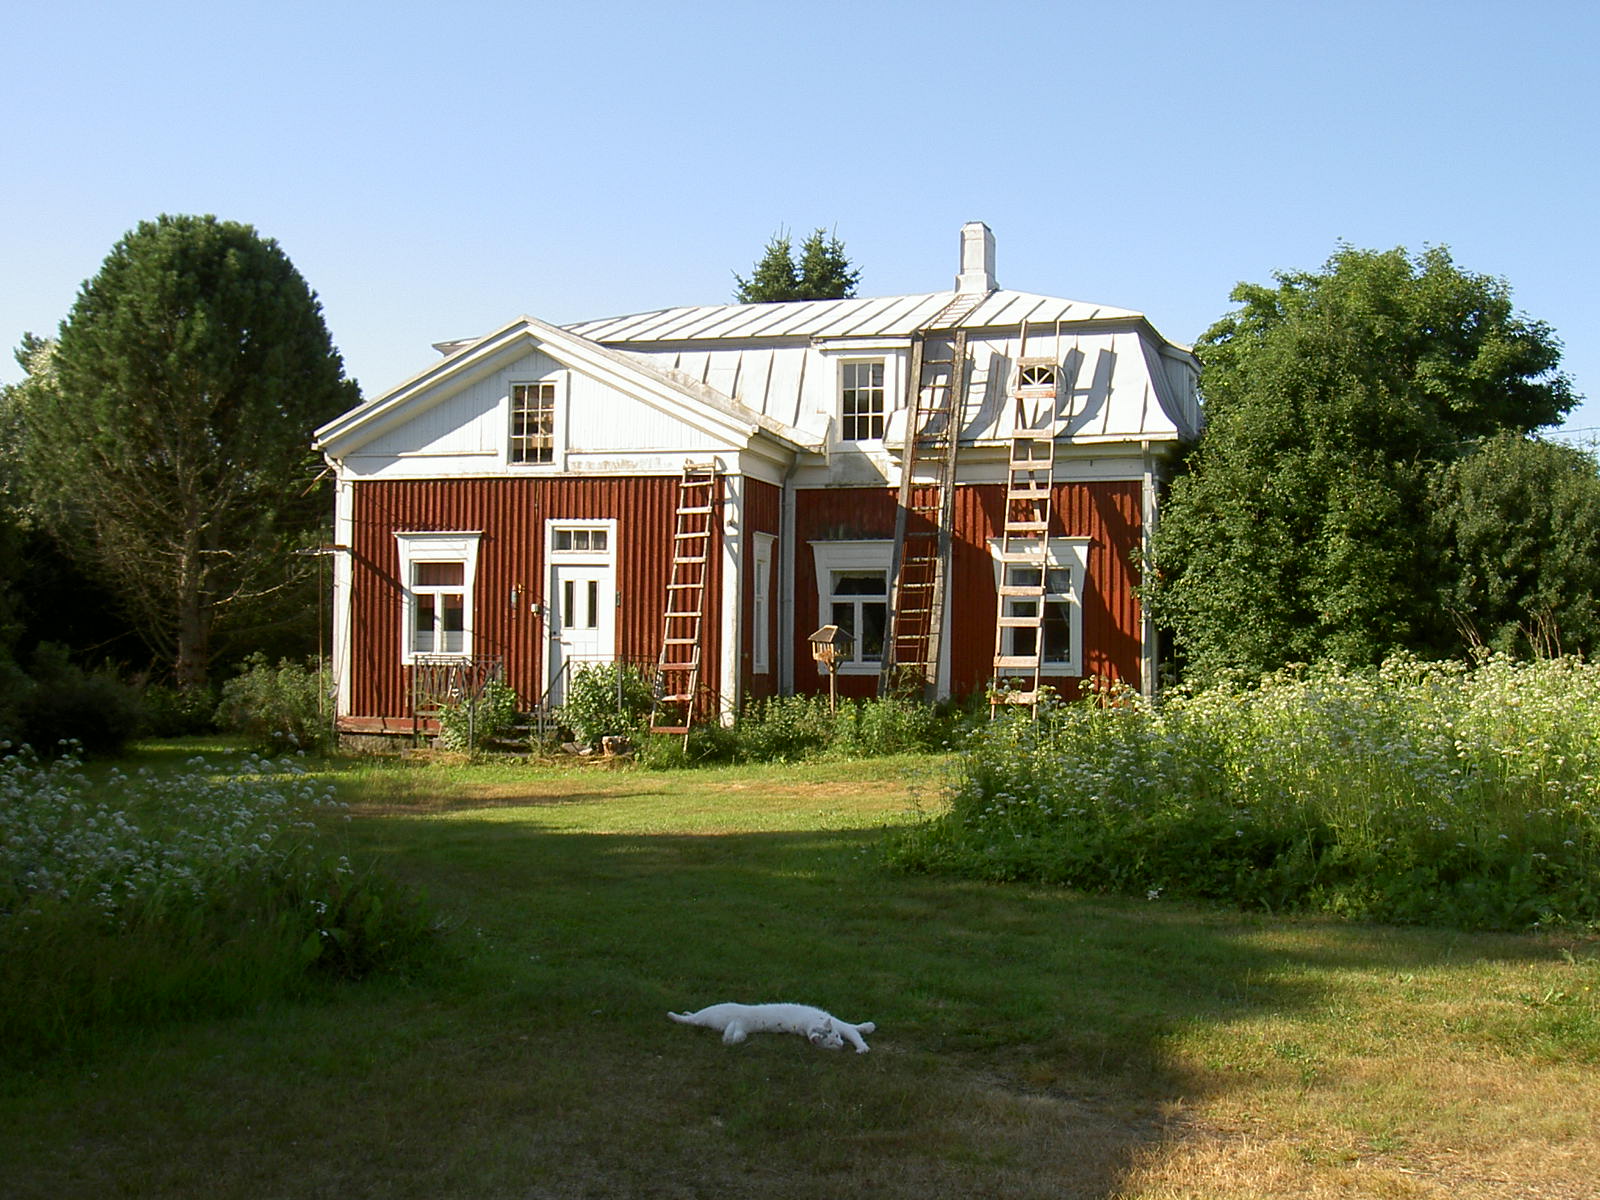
(533, 423)
(1037, 375)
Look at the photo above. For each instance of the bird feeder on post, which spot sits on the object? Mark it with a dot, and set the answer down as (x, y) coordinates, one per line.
(830, 645)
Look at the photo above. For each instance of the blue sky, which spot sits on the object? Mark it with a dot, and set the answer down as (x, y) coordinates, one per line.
(437, 170)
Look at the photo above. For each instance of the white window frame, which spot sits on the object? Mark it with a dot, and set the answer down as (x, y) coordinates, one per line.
(554, 383)
(413, 548)
(581, 543)
(862, 555)
(885, 407)
(761, 545)
(1070, 554)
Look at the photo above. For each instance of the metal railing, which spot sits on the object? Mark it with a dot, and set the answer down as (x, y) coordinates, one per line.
(438, 680)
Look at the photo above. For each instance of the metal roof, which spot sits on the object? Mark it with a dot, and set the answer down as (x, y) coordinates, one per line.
(884, 316)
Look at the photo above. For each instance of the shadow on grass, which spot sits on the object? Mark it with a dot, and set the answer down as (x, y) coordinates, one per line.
(1025, 1035)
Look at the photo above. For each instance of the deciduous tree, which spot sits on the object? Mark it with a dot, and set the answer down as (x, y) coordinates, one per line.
(1519, 523)
(1298, 529)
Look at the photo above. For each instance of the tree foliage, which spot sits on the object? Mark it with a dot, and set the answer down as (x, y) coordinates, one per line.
(1518, 520)
(165, 437)
(1297, 529)
(823, 272)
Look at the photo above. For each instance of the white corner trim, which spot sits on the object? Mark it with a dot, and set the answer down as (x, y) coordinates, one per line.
(732, 591)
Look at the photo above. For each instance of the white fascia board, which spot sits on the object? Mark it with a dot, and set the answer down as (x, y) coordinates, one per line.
(860, 345)
(678, 399)
(636, 380)
(343, 426)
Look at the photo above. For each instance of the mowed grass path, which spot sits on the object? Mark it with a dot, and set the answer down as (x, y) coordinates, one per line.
(1030, 1042)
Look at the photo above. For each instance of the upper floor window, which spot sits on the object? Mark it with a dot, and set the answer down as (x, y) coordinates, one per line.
(861, 406)
(533, 423)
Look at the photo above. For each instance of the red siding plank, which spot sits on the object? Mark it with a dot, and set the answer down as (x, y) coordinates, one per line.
(1108, 514)
(511, 515)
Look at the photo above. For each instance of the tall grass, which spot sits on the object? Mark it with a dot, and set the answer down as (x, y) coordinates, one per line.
(1418, 792)
(132, 898)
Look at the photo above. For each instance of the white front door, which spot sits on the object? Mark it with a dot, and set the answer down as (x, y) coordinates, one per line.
(582, 620)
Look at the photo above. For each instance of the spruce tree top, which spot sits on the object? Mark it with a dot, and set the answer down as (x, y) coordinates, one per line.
(823, 272)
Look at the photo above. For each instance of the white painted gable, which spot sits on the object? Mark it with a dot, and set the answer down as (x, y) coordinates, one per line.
(613, 414)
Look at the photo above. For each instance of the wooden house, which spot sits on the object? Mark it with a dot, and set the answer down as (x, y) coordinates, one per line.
(962, 481)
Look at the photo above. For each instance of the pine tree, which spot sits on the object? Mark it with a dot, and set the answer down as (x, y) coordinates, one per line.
(171, 445)
(823, 272)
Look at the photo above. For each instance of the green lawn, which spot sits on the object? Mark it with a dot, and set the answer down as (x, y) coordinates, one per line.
(1031, 1042)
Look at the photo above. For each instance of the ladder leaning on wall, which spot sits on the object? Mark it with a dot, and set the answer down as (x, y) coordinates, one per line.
(1019, 648)
(677, 685)
(923, 516)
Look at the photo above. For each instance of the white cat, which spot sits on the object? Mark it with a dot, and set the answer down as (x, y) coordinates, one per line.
(739, 1021)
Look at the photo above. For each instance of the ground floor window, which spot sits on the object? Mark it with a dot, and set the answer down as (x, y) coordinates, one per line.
(438, 572)
(853, 593)
(1062, 624)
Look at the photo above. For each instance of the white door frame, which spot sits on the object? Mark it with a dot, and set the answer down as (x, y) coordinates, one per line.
(584, 558)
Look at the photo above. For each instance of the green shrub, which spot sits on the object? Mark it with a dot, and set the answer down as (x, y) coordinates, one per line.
(58, 704)
(171, 712)
(607, 700)
(468, 725)
(888, 726)
(1436, 793)
(281, 708)
(795, 728)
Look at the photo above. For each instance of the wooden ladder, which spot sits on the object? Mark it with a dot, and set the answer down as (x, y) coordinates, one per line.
(1025, 539)
(921, 563)
(677, 686)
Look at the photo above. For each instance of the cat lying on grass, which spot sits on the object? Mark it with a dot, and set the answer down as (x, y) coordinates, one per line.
(739, 1021)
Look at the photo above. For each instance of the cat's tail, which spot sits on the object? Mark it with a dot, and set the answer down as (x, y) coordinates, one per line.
(682, 1018)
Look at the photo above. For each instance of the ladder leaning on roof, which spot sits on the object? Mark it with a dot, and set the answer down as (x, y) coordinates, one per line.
(677, 686)
(923, 515)
(1019, 633)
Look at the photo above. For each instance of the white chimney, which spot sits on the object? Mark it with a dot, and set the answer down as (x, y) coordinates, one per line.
(977, 259)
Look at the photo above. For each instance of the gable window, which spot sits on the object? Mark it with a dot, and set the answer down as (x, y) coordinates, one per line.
(853, 593)
(533, 423)
(1062, 623)
(861, 408)
(438, 572)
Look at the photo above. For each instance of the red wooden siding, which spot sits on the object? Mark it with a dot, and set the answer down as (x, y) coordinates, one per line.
(511, 515)
(1109, 514)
